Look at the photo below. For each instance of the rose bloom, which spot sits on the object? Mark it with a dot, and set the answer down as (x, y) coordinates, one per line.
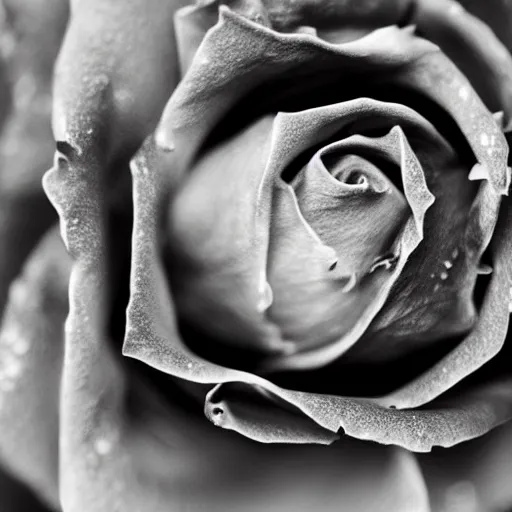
(288, 217)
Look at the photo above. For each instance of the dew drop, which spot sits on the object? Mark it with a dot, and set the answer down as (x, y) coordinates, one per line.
(463, 93)
(448, 264)
(102, 446)
(21, 346)
(443, 276)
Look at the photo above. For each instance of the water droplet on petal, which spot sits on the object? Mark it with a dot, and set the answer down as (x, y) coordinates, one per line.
(443, 276)
(102, 446)
(464, 93)
(448, 264)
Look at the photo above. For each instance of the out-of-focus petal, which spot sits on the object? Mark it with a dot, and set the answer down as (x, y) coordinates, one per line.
(118, 67)
(31, 354)
(473, 47)
(205, 95)
(472, 477)
(15, 497)
(496, 13)
(31, 32)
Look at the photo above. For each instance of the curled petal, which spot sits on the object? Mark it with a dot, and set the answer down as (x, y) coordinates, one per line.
(300, 273)
(237, 56)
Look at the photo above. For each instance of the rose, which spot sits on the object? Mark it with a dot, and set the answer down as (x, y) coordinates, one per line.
(105, 106)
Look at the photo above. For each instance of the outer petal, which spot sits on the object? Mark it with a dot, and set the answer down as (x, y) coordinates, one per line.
(474, 476)
(31, 353)
(473, 47)
(103, 72)
(237, 56)
(30, 36)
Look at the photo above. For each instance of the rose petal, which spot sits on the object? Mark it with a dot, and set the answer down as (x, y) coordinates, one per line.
(472, 46)
(103, 72)
(237, 56)
(496, 13)
(482, 343)
(193, 21)
(152, 337)
(31, 35)
(203, 97)
(433, 297)
(474, 476)
(218, 238)
(300, 268)
(31, 353)
(121, 448)
(250, 410)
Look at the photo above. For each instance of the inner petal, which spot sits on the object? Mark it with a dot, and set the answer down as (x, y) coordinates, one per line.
(355, 210)
(358, 213)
